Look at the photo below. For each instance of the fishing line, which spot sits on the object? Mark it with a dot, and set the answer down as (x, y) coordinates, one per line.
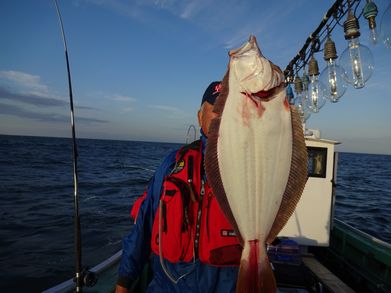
(78, 271)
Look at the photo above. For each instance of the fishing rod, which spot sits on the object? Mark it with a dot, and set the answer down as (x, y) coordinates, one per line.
(82, 277)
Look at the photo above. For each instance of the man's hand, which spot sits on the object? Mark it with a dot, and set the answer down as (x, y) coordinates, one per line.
(120, 289)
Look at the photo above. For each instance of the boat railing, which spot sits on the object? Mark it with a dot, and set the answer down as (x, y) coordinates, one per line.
(105, 284)
(367, 258)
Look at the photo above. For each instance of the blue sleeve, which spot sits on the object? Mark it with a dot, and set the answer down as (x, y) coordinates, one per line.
(137, 245)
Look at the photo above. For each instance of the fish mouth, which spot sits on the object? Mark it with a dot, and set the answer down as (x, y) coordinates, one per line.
(249, 46)
(249, 66)
(265, 95)
(255, 74)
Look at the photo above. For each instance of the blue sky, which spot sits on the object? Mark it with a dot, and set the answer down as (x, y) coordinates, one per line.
(139, 68)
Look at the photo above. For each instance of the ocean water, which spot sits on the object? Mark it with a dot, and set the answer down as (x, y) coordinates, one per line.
(363, 193)
(36, 199)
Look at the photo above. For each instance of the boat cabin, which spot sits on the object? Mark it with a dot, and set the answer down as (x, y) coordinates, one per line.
(311, 223)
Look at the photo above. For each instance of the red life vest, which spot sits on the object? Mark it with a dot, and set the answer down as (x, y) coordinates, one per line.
(189, 217)
(136, 206)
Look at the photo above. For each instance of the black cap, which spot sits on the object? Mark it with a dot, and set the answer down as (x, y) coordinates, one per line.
(212, 92)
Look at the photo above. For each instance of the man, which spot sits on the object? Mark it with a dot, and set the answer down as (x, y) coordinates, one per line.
(179, 226)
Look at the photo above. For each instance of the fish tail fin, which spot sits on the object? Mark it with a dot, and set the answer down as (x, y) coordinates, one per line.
(255, 272)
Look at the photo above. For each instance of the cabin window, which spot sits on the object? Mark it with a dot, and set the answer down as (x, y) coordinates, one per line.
(317, 162)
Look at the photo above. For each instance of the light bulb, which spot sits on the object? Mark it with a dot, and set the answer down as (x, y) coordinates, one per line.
(300, 100)
(333, 81)
(306, 82)
(302, 108)
(316, 99)
(373, 35)
(357, 61)
(305, 93)
(385, 27)
(332, 78)
(370, 13)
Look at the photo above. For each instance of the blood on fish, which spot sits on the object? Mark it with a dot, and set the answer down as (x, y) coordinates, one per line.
(257, 103)
(261, 109)
(245, 112)
(286, 105)
(251, 98)
(255, 274)
(264, 95)
(253, 263)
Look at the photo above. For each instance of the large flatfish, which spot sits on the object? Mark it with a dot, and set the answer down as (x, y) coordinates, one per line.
(256, 159)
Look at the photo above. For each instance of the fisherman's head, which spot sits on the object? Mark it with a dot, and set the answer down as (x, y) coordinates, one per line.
(206, 114)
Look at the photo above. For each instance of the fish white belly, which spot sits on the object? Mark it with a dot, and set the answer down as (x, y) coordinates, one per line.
(254, 153)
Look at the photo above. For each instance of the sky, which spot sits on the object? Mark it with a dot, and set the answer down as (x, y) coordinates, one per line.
(139, 68)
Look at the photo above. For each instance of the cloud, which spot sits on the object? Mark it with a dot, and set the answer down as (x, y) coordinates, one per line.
(172, 111)
(6, 109)
(137, 8)
(163, 4)
(165, 108)
(26, 88)
(261, 26)
(23, 81)
(30, 99)
(35, 100)
(85, 108)
(124, 102)
(228, 22)
(122, 98)
(90, 120)
(21, 87)
(194, 8)
(130, 9)
(128, 109)
(14, 110)
(221, 19)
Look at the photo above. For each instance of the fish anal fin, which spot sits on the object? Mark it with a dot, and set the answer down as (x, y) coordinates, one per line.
(255, 272)
(297, 177)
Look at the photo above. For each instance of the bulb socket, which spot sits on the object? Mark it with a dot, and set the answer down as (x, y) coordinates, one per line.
(313, 68)
(330, 52)
(370, 13)
(351, 26)
(370, 10)
(298, 85)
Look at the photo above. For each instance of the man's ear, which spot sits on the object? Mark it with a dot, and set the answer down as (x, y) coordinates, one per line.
(199, 114)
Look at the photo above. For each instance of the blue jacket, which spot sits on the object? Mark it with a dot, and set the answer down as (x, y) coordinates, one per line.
(195, 276)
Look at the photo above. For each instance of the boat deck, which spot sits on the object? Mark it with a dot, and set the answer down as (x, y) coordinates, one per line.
(308, 276)
(331, 281)
(305, 277)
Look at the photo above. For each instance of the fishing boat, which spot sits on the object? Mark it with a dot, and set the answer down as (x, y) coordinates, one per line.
(315, 251)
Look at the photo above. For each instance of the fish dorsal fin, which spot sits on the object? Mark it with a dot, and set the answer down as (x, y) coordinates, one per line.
(211, 160)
